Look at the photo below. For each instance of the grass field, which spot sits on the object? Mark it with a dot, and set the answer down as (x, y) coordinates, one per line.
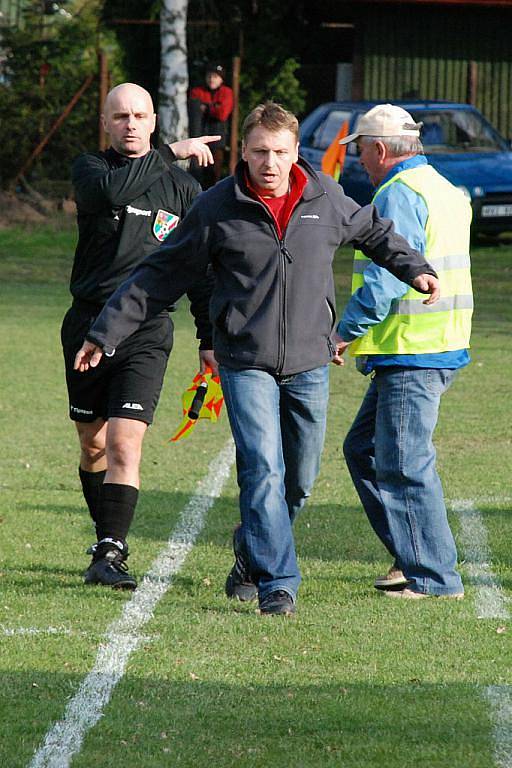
(355, 680)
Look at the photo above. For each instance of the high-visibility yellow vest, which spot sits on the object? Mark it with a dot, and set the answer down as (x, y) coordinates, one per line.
(412, 327)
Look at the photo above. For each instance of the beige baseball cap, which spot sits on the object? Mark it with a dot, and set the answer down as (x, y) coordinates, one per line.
(384, 120)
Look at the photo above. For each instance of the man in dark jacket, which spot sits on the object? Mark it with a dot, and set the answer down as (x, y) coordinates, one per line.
(128, 199)
(270, 233)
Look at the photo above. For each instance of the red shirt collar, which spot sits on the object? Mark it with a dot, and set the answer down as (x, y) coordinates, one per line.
(298, 182)
(282, 212)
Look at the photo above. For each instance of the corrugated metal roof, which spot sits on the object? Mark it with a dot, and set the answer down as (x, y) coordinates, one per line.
(451, 54)
(473, 3)
(10, 11)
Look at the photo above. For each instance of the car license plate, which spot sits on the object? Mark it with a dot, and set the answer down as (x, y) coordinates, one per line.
(496, 210)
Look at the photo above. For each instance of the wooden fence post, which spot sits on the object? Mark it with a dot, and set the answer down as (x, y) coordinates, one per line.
(65, 112)
(472, 82)
(103, 90)
(233, 145)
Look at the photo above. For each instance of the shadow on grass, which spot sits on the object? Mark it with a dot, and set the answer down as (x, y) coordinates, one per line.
(156, 515)
(322, 531)
(330, 532)
(200, 723)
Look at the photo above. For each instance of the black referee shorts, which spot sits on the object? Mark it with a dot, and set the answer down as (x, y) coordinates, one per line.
(126, 385)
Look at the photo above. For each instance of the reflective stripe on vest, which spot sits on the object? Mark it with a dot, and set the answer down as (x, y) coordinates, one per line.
(417, 307)
(411, 326)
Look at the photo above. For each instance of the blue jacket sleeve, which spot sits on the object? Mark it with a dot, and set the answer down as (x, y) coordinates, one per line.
(371, 303)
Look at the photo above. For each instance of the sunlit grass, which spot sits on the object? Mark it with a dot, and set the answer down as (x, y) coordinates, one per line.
(355, 680)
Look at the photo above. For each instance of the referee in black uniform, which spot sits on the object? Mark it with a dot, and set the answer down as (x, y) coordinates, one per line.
(128, 199)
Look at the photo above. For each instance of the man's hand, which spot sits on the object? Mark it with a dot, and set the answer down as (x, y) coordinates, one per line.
(340, 349)
(207, 360)
(197, 148)
(428, 284)
(88, 356)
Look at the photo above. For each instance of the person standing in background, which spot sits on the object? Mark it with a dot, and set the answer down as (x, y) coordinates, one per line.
(210, 108)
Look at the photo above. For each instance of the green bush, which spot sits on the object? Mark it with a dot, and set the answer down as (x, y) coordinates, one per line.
(48, 59)
(281, 85)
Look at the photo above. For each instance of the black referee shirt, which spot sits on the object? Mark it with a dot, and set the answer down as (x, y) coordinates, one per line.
(118, 200)
(123, 207)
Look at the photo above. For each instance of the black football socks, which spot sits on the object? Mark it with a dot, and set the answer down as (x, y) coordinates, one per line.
(118, 504)
(92, 483)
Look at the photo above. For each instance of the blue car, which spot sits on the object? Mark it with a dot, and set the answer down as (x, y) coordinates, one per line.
(458, 142)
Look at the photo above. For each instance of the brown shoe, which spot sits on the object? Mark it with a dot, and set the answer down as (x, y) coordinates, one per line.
(408, 594)
(394, 579)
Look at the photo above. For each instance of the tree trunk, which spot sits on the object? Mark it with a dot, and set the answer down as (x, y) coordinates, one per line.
(173, 71)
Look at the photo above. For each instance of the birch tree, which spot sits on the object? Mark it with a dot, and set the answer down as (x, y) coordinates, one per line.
(172, 110)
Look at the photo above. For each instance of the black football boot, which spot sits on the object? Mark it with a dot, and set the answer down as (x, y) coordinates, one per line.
(108, 565)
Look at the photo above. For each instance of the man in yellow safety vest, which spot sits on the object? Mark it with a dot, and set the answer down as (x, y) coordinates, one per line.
(413, 352)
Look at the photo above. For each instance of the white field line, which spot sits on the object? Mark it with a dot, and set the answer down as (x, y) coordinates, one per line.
(490, 603)
(57, 631)
(64, 739)
(500, 699)
(22, 631)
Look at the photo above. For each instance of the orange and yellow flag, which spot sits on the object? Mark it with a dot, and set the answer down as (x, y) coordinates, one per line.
(334, 156)
(201, 400)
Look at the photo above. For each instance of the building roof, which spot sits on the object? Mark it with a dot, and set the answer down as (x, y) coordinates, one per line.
(481, 3)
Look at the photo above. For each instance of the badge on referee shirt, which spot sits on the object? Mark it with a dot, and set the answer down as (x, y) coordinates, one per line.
(164, 223)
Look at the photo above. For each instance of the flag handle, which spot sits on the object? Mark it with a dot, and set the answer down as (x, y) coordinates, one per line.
(197, 402)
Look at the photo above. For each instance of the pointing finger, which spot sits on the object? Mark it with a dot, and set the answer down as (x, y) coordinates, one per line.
(208, 139)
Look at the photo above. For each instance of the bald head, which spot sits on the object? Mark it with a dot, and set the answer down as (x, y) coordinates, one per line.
(127, 92)
(129, 118)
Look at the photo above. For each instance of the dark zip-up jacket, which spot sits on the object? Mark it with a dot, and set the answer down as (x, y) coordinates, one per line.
(118, 201)
(273, 303)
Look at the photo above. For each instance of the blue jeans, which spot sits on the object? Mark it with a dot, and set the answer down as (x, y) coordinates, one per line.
(392, 461)
(278, 427)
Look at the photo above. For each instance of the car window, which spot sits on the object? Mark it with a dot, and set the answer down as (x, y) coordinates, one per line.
(326, 132)
(451, 131)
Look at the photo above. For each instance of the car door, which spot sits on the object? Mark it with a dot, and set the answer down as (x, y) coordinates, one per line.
(354, 179)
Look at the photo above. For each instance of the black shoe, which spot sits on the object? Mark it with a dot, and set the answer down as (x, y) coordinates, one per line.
(277, 603)
(239, 583)
(108, 566)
